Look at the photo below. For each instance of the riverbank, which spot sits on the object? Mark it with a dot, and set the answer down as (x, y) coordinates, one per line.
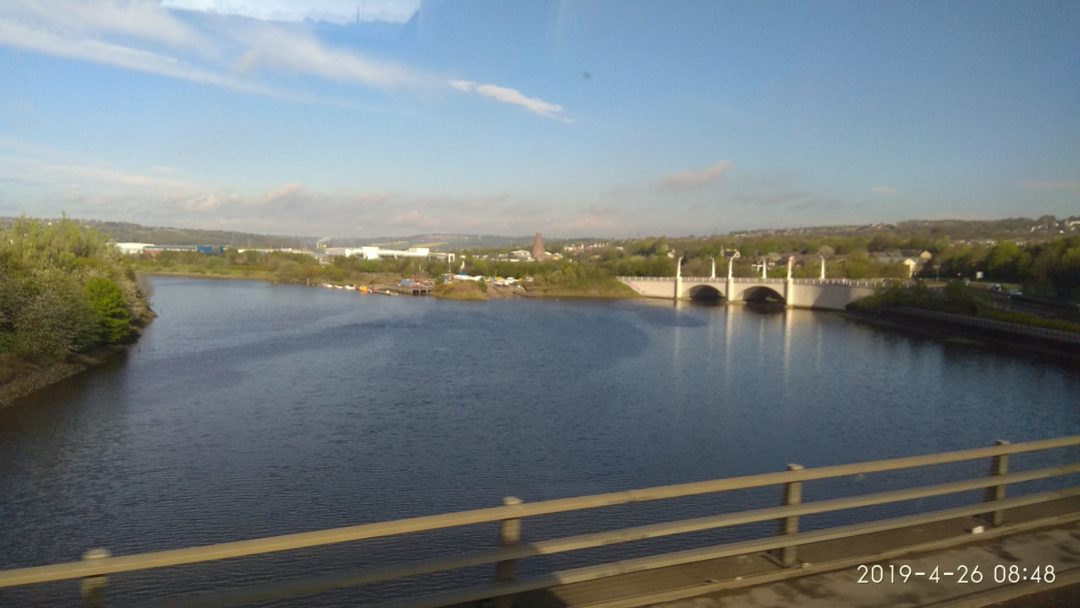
(67, 300)
(30, 377)
(456, 290)
(953, 327)
(20, 377)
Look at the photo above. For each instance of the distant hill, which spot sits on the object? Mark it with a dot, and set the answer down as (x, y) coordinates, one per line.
(957, 230)
(445, 242)
(125, 232)
(161, 235)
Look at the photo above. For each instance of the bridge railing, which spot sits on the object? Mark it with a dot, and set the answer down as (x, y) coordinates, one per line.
(671, 278)
(512, 514)
(773, 281)
(849, 282)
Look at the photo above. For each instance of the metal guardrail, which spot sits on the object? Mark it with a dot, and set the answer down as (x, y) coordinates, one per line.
(97, 564)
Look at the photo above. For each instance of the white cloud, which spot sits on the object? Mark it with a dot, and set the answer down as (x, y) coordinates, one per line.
(98, 51)
(43, 181)
(330, 11)
(138, 19)
(294, 208)
(243, 55)
(687, 180)
(296, 50)
(513, 97)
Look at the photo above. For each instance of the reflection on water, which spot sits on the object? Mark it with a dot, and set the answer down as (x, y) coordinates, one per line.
(252, 409)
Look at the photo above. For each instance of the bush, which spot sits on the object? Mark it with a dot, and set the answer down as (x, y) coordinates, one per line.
(63, 289)
(113, 315)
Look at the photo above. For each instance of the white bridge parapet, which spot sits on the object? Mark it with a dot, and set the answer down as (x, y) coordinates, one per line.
(828, 294)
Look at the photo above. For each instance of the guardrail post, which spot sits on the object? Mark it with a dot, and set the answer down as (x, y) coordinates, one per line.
(509, 536)
(93, 587)
(790, 525)
(999, 465)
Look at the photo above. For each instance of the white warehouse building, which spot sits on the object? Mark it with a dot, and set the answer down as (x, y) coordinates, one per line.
(378, 253)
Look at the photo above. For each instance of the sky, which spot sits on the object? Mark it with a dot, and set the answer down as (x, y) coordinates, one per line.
(600, 118)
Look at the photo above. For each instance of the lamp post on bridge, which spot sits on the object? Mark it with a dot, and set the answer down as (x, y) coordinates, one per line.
(678, 277)
(730, 285)
(789, 282)
(822, 267)
(712, 275)
(764, 265)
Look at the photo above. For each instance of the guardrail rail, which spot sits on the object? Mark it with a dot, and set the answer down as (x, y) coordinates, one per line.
(511, 516)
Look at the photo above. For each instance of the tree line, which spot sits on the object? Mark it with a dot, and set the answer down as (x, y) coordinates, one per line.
(1048, 268)
(64, 289)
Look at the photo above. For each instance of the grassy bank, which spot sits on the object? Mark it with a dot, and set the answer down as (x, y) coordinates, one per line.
(461, 290)
(19, 377)
(592, 287)
(609, 288)
(954, 298)
(199, 273)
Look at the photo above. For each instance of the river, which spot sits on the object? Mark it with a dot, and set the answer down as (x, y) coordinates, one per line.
(251, 409)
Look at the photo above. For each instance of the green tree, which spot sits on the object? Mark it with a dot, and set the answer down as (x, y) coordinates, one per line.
(113, 314)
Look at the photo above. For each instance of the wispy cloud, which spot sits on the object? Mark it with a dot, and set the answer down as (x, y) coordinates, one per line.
(513, 97)
(775, 198)
(136, 19)
(294, 208)
(245, 55)
(40, 172)
(329, 11)
(55, 43)
(1057, 185)
(688, 180)
(46, 182)
(298, 51)
(885, 190)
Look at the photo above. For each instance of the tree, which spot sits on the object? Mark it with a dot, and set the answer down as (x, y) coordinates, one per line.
(1002, 261)
(113, 315)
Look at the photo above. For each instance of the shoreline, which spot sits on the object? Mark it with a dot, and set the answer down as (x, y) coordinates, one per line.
(494, 293)
(945, 329)
(58, 371)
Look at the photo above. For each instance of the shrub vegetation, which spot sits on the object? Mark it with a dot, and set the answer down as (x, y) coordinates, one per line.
(64, 289)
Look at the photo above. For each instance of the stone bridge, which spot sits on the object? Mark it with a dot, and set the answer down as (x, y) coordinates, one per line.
(830, 294)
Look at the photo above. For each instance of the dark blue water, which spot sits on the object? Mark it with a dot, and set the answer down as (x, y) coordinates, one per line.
(250, 409)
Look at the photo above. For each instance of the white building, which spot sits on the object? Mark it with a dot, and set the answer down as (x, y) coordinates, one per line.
(133, 248)
(370, 252)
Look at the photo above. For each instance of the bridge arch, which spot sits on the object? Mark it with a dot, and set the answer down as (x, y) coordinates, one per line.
(705, 293)
(760, 293)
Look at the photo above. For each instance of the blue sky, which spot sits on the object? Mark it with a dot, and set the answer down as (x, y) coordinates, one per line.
(372, 118)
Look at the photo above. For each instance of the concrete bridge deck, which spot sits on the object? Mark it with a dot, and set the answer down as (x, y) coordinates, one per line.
(827, 294)
(829, 571)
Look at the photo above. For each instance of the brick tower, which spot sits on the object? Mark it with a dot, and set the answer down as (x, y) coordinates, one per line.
(538, 247)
